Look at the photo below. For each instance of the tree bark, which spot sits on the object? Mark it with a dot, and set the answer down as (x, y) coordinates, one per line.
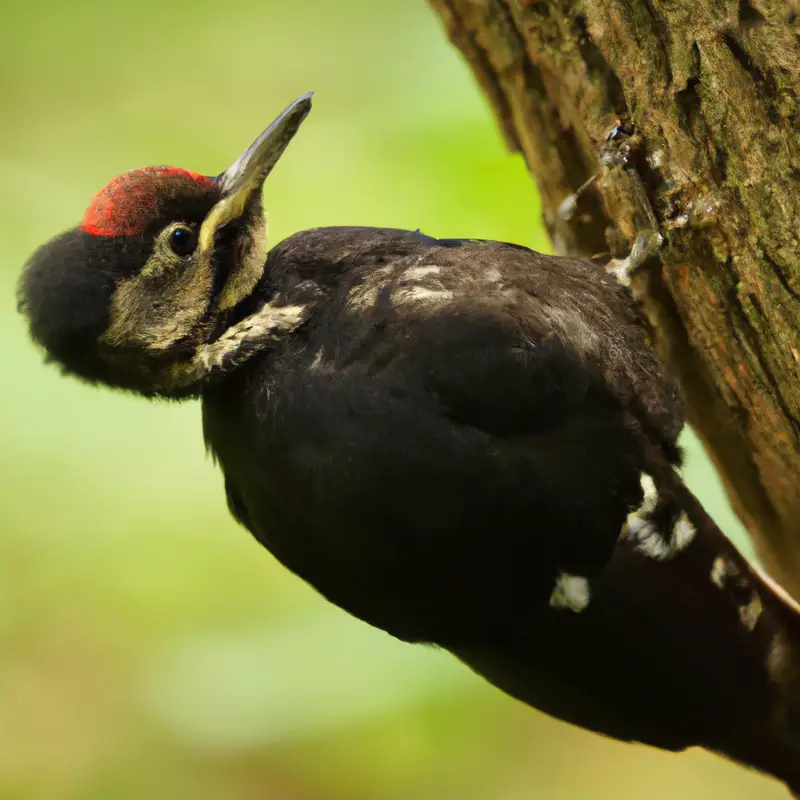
(711, 89)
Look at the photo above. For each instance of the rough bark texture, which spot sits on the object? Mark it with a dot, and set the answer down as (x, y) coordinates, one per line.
(711, 88)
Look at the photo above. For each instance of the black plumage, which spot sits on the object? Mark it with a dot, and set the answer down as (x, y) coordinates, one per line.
(464, 443)
(423, 408)
(433, 461)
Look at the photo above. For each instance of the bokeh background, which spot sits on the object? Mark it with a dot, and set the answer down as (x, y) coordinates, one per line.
(148, 647)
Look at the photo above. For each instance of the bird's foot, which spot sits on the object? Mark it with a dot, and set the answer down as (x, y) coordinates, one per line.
(619, 145)
(647, 244)
(568, 205)
(621, 152)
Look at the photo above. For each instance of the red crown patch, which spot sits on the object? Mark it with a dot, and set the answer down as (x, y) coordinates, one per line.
(129, 202)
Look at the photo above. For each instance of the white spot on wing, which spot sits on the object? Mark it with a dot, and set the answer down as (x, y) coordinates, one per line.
(417, 284)
(641, 529)
(750, 612)
(683, 533)
(417, 273)
(723, 570)
(649, 540)
(571, 592)
(365, 295)
(493, 275)
(719, 572)
(362, 298)
(427, 291)
(650, 500)
(421, 294)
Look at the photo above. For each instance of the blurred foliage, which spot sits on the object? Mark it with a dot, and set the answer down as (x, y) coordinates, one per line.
(148, 647)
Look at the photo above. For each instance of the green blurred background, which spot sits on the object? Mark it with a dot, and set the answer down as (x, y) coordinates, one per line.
(148, 647)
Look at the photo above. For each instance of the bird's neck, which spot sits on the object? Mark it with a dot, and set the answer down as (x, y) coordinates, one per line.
(210, 362)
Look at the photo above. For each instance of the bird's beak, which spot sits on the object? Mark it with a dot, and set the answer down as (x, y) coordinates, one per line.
(243, 179)
(248, 173)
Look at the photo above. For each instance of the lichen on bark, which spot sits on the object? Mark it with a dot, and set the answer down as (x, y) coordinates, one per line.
(712, 89)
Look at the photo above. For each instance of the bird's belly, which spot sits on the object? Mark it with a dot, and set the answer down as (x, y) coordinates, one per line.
(427, 534)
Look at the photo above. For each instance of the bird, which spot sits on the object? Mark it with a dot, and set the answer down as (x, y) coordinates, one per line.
(464, 443)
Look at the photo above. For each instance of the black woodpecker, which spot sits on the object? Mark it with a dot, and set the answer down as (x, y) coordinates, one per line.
(464, 443)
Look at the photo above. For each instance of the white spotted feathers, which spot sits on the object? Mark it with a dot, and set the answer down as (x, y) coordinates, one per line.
(571, 592)
(647, 538)
(416, 285)
(652, 542)
(727, 577)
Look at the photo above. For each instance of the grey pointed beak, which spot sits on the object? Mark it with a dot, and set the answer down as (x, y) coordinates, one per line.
(250, 170)
(247, 174)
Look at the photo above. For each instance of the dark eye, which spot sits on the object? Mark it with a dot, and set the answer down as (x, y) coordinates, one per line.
(182, 241)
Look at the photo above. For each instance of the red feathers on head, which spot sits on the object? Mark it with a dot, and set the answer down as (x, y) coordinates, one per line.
(128, 203)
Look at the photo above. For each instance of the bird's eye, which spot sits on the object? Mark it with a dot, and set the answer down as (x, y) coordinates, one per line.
(182, 240)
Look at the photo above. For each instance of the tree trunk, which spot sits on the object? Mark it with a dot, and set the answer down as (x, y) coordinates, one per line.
(711, 89)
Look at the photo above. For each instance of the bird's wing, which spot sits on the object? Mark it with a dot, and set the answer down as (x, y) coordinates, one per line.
(558, 434)
(565, 306)
(517, 365)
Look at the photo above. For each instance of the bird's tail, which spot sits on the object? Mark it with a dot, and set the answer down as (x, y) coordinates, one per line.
(679, 641)
(769, 618)
(774, 746)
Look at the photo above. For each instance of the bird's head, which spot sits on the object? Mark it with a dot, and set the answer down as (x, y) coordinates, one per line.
(137, 293)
